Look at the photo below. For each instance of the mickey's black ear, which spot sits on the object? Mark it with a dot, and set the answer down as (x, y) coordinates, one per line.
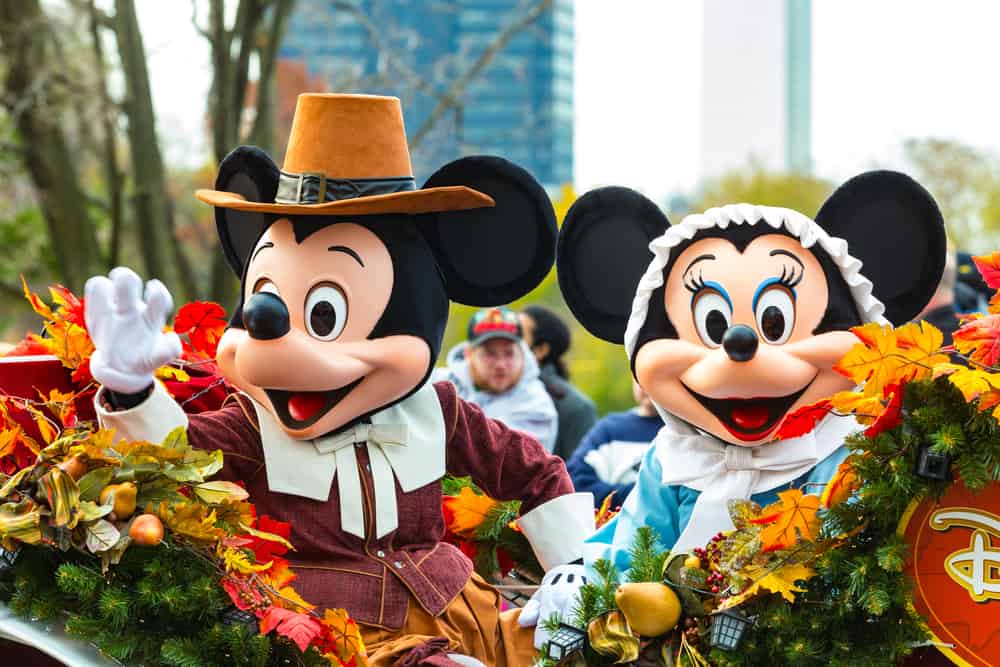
(893, 225)
(602, 253)
(247, 171)
(492, 256)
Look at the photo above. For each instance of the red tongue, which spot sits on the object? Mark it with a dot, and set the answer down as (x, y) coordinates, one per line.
(305, 405)
(750, 418)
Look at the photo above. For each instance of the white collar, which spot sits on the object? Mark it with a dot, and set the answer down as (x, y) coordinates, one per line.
(405, 442)
(722, 472)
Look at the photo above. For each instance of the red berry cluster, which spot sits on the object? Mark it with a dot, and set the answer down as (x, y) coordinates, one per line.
(710, 558)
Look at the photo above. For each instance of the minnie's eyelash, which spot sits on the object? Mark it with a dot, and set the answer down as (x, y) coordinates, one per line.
(696, 284)
(788, 277)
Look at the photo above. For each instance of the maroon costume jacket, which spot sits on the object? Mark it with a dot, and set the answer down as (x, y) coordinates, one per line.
(373, 578)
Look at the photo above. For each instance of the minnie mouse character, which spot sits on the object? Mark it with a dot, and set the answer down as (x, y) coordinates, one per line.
(347, 271)
(732, 320)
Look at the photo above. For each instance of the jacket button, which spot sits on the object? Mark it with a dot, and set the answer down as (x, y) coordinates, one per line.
(399, 565)
(380, 553)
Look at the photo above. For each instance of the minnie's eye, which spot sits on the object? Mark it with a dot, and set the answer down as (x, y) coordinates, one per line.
(326, 312)
(775, 313)
(712, 316)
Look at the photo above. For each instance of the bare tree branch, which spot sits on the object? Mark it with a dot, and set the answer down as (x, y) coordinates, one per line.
(450, 97)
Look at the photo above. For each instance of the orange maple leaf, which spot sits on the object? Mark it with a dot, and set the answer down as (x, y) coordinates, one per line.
(468, 510)
(840, 487)
(875, 361)
(919, 343)
(789, 520)
(345, 641)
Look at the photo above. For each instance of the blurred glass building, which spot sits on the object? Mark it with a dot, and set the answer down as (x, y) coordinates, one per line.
(520, 106)
(756, 85)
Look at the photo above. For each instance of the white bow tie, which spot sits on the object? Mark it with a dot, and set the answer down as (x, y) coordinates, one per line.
(376, 436)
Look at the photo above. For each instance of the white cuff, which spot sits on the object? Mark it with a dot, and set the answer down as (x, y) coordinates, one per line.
(556, 529)
(152, 420)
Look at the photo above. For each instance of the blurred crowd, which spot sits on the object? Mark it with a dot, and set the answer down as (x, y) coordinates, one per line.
(513, 366)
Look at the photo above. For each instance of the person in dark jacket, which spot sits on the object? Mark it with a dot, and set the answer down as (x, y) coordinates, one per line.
(942, 310)
(549, 339)
(607, 460)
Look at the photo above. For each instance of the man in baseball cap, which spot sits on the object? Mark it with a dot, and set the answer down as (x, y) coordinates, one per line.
(495, 369)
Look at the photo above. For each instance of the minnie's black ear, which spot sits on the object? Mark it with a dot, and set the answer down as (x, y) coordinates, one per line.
(247, 171)
(893, 225)
(492, 256)
(602, 253)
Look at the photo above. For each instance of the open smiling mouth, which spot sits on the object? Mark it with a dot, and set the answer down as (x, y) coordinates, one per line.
(749, 419)
(302, 409)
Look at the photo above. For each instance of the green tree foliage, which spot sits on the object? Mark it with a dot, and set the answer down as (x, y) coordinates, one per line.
(965, 181)
(756, 185)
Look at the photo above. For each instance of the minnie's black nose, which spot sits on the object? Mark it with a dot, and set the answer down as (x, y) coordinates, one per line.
(740, 342)
(265, 316)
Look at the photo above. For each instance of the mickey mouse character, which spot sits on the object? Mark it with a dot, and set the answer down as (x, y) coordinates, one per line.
(732, 320)
(347, 271)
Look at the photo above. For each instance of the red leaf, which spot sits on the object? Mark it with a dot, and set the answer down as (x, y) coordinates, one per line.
(265, 550)
(890, 418)
(302, 629)
(803, 420)
(989, 268)
(203, 322)
(29, 346)
(71, 308)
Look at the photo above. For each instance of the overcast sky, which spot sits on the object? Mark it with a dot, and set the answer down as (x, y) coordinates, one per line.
(882, 71)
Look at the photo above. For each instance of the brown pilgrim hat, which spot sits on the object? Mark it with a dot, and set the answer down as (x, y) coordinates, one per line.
(347, 155)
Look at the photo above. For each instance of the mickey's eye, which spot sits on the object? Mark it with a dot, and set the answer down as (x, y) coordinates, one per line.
(775, 313)
(326, 312)
(712, 316)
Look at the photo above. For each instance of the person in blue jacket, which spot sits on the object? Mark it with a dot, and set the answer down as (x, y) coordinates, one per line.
(734, 319)
(607, 460)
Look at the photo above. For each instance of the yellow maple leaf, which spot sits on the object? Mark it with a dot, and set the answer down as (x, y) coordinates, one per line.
(972, 382)
(289, 599)
(191, 520)
(468, 510)
(781, 580)
(236, 560)
(865, 408)
(787, 521)
(172, 373)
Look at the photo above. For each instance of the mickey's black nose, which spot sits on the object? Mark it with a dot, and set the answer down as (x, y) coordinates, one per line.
(265, 316)
(740, 342)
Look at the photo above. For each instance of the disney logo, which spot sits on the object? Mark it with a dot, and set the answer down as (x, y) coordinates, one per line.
(976, 569)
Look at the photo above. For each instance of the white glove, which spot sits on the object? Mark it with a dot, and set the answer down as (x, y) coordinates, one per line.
(556, 596)
(127, 330)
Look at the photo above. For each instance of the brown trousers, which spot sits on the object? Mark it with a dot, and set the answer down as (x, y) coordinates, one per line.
(472, 625)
